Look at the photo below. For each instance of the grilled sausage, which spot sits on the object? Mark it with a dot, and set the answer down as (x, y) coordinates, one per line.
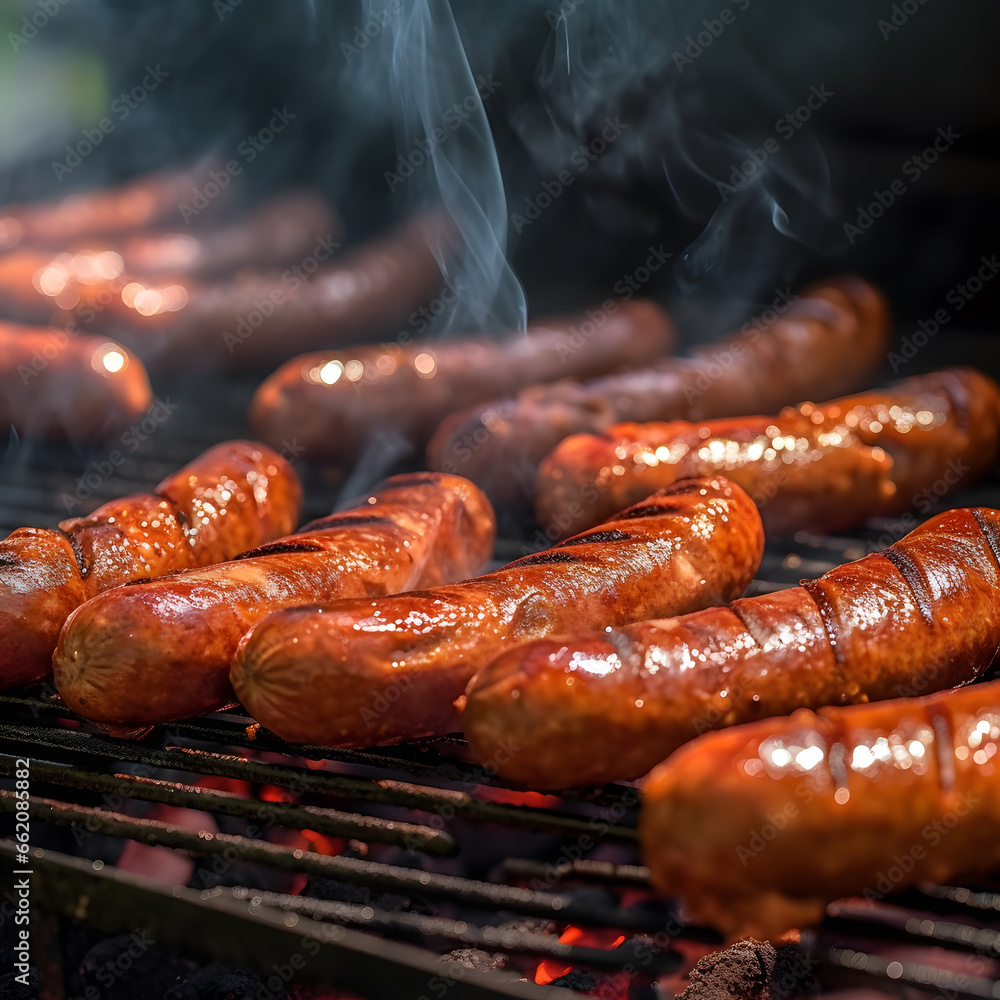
(336, 402)
(233, 497)
(356, 673)
(136, 656)
(759, 827)
(263, 318)
(35, 284)
(53, 385)
(920, 616)
(821, 468)
(279, 231)
(101, 212)
(829, 341)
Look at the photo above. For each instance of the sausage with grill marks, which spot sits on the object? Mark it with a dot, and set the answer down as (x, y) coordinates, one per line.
(820, 468)
(757, 828)
(233, 497)
(830, 340)
(922, 615)
(358, 673)
(137, 656)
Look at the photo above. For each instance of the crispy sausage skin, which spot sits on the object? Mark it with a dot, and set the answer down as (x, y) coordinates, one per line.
(136, 656)
(821, 468)
(52, 385)
(757, 828)
(101, 211)
(831, 339)
(922, 615)
(357, 673)
(336, 402)
(91, 276)
(233, 497)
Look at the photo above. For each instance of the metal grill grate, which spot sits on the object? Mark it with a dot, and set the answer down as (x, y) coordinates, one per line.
(483, 869)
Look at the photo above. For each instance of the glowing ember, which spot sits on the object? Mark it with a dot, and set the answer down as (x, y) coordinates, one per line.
(597, 937)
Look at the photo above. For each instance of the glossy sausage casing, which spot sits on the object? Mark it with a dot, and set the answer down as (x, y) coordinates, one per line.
(137, 656)
(920, 616)
(831, 339)
(233, 497)
(335, 403)
(757, 828)
(81, 389)
(366, 672)
(820, 468)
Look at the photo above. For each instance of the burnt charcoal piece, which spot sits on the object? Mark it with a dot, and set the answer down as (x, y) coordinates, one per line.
(752, 970)
(577, 979)
(473, 958)
(740, 972)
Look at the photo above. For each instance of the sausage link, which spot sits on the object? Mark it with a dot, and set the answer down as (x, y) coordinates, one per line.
(920, 616)
(820, 468)
(92, 277)
(233, 497)
(101, 211)
(757, 828)
(52, 385)
(336, 402)
(829, 341)
(137, 656)
(357, 673)
(261, 318)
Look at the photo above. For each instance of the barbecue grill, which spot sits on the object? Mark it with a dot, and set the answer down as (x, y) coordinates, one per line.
(423, 875)
(409, 871)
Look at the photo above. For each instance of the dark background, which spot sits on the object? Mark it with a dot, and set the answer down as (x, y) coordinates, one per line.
(230, 63)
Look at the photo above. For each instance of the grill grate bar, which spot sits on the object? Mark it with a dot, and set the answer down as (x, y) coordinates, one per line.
(423, 759)
(448, 802)
(903, 923)
(584, 870)
(226, 929)
(387, 878)
(924, 977)
(371, 829)
(506, 937)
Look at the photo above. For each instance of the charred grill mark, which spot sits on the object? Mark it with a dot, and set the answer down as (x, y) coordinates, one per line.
(613, 535)
(544, 558)
(990, 533)
(826, 613)
(645, 510)
(74, 544)
(279, 548)
(736, 608)
(910, 572)
(345, 520)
